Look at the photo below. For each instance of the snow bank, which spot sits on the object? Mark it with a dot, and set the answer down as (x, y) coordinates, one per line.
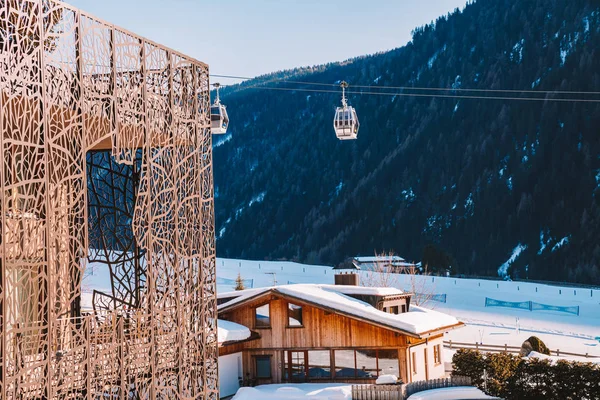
(228, 331)
(386, 380)
(315, 391)
(554, 359)
(450, 393)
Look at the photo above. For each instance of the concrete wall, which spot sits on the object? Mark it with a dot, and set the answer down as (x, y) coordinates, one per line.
(230, 371)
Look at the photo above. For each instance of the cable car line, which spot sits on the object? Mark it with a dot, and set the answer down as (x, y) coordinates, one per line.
(383, 87)
(403, 94)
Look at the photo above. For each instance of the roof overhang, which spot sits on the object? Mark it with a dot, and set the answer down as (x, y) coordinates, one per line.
(273, 292)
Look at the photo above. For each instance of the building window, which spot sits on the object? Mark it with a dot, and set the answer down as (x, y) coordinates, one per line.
(262, 317)
(263, 367)
(414, 363)
(403, 308)
(387, 361)
(437, 358)
(294, 315)
(319, 364)
(366, 364)
(394, 310)
(345, 364)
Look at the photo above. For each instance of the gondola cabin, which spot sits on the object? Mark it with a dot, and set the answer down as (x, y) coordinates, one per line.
(346, 123)
(219, 120)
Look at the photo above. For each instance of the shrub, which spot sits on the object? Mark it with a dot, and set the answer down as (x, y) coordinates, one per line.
(512, 377)
(469, 363)
(499, 368)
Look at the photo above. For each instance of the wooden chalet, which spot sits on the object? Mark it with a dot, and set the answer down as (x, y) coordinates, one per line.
(333, 333)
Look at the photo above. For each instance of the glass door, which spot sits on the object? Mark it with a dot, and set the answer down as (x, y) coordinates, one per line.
(296, 366)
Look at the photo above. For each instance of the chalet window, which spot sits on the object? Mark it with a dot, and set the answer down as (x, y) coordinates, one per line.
(294, 315)
(414, 363)
(263, 367)
(436, 354)
(403, 308)
(319, 364)
(366, 364)
(394, 310)
(262, 318)
(345, 364)
(387, 361)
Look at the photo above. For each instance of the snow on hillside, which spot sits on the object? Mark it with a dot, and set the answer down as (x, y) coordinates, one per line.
(465, 301)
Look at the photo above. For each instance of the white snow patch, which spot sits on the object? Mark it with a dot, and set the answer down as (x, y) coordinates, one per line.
(450, 393)
(503, 269)
(544, 242)
(536, 83)
(221, 142)
(408, 194)
(560, 243)
(298, 391)
(376, 80)
(456, 107)
(554, 359)
(257, 199)
(434, 57)
(386, 380)
(598, 177)
(509, 183)
(517, 51)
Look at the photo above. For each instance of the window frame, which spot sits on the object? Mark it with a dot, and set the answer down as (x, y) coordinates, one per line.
(256, 326)
(258, 357)
(413, 362)
(379, 372)
(437, 356)
(288, 325)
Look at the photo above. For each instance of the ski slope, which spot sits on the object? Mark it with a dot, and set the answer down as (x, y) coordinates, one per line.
(465, 300)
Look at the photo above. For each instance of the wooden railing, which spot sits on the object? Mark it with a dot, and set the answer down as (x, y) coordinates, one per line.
(494, 348)
(403, 391)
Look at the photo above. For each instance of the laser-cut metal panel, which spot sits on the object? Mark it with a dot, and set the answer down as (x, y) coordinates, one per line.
(103, 132)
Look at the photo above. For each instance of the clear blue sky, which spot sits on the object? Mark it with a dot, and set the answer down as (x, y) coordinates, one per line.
(253, 37)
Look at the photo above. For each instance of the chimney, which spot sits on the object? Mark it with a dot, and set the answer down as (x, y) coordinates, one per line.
(347, 278)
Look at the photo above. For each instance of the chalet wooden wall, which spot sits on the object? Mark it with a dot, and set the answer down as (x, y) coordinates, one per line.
(321, 330)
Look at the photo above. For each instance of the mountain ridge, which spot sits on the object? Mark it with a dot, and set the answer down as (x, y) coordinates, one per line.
(458, 182)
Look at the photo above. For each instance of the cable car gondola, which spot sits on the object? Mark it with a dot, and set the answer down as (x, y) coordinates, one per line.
(219, 121)
(345, 122)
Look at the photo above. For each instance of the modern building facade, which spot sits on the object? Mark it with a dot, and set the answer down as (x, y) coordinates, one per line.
(105, 144)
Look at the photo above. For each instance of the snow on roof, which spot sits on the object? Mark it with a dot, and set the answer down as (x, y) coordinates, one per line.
(378, 258)
(450, 393)
(417, 321)
(230, 331)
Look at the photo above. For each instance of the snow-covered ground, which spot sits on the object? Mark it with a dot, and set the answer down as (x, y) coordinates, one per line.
(301, 391)
(466, 301)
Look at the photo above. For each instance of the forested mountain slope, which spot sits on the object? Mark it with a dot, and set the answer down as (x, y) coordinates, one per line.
(467, 182)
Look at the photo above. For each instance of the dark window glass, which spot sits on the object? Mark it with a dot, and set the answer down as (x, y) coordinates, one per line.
(263, 366)
(262, 317)
(294, 315)
(319, 364)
